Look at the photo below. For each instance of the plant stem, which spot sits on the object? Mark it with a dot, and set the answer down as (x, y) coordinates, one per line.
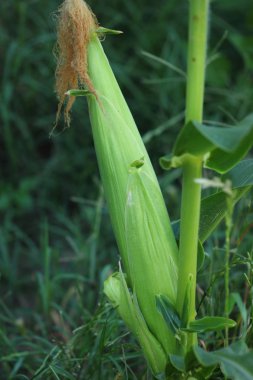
(190, 210)
(192, 167)
(197, 43)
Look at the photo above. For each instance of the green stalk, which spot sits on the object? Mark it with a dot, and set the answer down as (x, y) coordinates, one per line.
(192, 167)
(197, 42)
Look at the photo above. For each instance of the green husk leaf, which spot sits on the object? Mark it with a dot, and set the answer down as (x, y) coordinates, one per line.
(169, 313)
(117, 141)
(170, 161)
(115, 287)
(137, 163)
(187, 302)
(136, 205)
(178, 362)
(151, 249)
(102, 30)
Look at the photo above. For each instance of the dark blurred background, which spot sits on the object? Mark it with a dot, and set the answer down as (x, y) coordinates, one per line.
(54, 255)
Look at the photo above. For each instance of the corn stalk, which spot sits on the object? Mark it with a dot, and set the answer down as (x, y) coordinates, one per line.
(192, 166)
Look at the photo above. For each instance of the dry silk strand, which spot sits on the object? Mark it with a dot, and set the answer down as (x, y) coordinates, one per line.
(76, 22)
(137, 210)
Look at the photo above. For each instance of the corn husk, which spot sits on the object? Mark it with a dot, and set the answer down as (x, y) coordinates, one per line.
(116, 289)
(138, 213)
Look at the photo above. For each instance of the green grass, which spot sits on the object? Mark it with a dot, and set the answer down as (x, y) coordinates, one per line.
(56, 243)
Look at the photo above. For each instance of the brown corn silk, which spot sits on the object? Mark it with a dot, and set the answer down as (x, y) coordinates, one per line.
(75, 24)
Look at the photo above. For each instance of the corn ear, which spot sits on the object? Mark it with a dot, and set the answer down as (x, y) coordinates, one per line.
(117, 141)
(118, 144)
(138, 213)
(115, 288)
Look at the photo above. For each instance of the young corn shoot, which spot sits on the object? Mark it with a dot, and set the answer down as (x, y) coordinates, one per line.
(138, 214)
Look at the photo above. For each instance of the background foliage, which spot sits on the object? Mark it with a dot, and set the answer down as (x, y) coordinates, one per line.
(56, 244)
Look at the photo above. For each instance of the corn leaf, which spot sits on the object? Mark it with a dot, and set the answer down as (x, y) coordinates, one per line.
(223, 147)
(222, 161)
(236, 361)
(213, 210)
(188, 363)
(214, 207)
(241, 175)
(198, 139)
(209, 324)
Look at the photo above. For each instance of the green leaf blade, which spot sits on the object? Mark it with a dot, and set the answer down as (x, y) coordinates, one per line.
(236, 361)
(220, 148)
(214, 207)
(210, 324)
(222, 161)
(241, 175)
